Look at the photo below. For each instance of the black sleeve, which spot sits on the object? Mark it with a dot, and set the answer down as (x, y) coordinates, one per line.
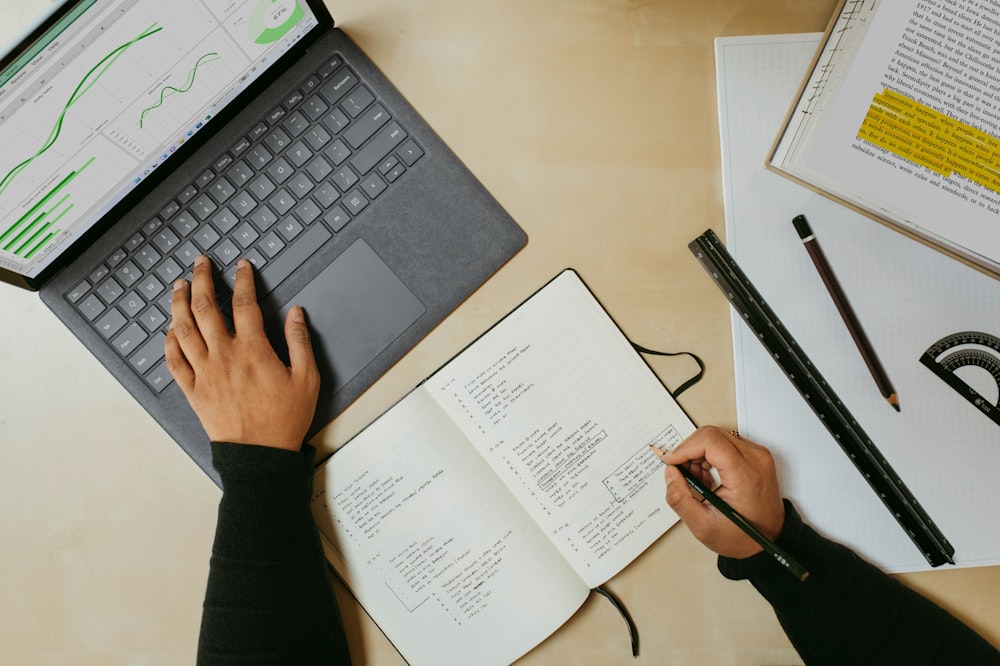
(850, 612)
(269, 598)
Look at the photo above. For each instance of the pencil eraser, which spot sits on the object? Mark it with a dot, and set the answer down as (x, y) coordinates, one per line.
(802, 226)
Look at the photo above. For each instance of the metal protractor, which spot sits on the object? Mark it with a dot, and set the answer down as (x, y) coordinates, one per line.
(969, 362)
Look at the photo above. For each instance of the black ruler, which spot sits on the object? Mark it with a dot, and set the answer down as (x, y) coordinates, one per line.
(858, 446)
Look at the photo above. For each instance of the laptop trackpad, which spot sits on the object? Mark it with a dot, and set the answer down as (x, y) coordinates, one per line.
(355, 308)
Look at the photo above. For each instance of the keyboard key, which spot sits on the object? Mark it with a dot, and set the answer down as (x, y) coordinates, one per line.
(240, 173)
(259, 157)
(330, 67)
(99, 274)
(261, 187)
(300, 186)
(299, 154)
(338, 86)
(246, 235)
(225, 220)
(379, 147)
(358, 101)
(222, 190)
(282, 202)
(264, 219)
(149, 354)
(338, 152)
(395, 173)
(147, 257)
(227, 252)
(222, 163)
(240, 147)
(337, 218)
(271, 245)
(188, 193)
(206, 237)
(150, 287)
(355, 202)
(152, 226)
(277, 141)
(118, 257)
(91, 307)
(184, 224)
(170, 271)
(202, 207)
(152, 318)
(280, 171)
(275, 272)
(314, 108)
(275, 116)
(366, 126)
(132, 304)
(310, 85)
(205, 178)
(294, 99)
(187, 253)
(166, 240)
(410, 152)
(296, 124)
(170, 210)
(307, 211)
(128, 274)
(78, 292)
(243, 204)
(326, 194)
(111, 323)
(373, 185)
(319, 169)
(133, 243)
(345, 179)
(317, 137)
(289, 228)
(130, 339)
(159, 379)
(258, 131)
(336, 121)
(256, 258)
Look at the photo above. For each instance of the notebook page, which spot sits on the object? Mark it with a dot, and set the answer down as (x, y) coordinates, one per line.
(907, 297)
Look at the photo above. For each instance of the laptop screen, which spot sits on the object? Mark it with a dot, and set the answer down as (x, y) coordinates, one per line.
(107, 94)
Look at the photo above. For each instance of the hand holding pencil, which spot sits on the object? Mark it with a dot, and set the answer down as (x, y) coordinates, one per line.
(749, 487)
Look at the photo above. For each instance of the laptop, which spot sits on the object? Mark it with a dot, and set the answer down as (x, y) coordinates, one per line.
(138, 134)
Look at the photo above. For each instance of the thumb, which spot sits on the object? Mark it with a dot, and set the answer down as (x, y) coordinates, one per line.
(300, 350)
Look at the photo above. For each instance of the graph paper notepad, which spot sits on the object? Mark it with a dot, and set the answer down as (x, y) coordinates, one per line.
(906, 295)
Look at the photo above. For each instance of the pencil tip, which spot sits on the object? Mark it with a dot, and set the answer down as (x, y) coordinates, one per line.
(894, 401)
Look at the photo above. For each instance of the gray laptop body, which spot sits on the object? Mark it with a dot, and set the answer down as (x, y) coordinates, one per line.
(385, 257)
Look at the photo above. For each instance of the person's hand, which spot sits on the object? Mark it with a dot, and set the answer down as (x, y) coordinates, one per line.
(236, 384)
(749, 485)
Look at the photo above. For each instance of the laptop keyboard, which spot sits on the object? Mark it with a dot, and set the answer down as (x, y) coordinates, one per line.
(303, 173)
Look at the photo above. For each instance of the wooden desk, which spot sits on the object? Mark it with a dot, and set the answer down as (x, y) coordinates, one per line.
(594, 123)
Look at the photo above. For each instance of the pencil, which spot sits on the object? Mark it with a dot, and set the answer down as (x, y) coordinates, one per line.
(774, 550)
(861, 340)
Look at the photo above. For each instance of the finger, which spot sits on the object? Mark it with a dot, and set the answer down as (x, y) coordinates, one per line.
(720, 449)
(183, 325)
(177, 363)
(686, 503)
(247, 318)
(203, 306)
(300, 350)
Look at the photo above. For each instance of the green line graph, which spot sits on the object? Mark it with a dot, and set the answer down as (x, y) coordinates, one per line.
(167, 91)
(88, 82)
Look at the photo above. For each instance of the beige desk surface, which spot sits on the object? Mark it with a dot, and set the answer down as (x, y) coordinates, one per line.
(594, 123)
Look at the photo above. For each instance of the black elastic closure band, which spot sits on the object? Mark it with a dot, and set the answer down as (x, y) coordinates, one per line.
(632, 630)
(689, 383)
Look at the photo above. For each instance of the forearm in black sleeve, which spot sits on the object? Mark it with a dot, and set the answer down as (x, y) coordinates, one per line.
(269, 599)
(850, 612)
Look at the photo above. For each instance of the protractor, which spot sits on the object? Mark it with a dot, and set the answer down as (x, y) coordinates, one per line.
(969, 362)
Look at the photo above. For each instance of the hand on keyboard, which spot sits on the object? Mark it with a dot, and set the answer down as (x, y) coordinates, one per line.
(239, 388)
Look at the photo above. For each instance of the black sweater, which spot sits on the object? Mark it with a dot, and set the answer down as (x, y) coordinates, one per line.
(270, 601)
